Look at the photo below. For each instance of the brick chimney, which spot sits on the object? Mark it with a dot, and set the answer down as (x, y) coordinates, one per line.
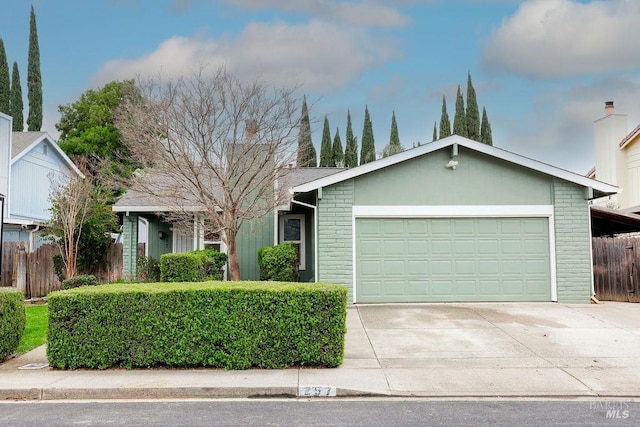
(608, 108)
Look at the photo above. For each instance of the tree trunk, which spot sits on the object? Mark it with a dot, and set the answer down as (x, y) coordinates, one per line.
(232, 258)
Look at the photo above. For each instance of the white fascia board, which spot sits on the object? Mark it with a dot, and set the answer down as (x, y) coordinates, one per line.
(467, 143)
(55, 146)
(466, 211)
(14, 221)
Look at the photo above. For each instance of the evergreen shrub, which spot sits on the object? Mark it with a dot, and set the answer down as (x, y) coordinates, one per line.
(232, 325)
(278, 263)
(80, 280)
(193, 266)
(12, 320)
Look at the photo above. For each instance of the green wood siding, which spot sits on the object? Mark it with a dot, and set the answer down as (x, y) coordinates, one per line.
(130, 246)
(478, 180)
(158, 246)
(452, 259)
(573, 243)
(253, 235)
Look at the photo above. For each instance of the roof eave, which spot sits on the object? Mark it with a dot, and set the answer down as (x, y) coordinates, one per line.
(602, 187)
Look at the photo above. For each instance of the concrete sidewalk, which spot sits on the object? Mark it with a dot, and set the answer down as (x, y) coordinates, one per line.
(431, 350)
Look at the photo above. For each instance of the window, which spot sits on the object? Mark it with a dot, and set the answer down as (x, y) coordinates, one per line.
(292, 231)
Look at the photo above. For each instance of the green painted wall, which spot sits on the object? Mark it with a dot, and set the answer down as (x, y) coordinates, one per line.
(335, 263)
(130, 246)
(157, 246)
(253, 235)
(478, 180)
(573, 247)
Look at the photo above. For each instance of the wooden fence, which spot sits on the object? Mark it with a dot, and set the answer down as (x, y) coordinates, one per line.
(616, 268)
(34, 272)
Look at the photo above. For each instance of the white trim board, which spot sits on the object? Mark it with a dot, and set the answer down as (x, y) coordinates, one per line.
(453, 211)
(480, 211)
(464, 142)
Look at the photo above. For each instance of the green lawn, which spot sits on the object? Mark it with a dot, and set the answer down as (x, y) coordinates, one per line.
(35, 331)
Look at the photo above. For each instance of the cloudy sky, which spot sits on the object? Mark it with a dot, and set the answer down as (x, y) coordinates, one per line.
(542, 68)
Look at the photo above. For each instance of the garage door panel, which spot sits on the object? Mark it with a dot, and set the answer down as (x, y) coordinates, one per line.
(462, 247)
(393, 248)
(417, 267)
(417, 247)
(465, 267)
(511, 226)
(392, 228)
(488, 247)
(466, 287)
(370, 248)
(452, 259)
(439, 247)
(489, 266)
(489, 227)
(440, 227)
(441, 287)
(490, 289)
(464, 227)
(391, 268)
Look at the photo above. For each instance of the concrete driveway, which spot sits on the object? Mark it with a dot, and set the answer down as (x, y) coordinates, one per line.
(514, 349)
(433, 350)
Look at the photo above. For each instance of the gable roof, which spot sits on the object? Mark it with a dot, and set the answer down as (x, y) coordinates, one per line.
(629, 137)
(23, 142)
(467, 143)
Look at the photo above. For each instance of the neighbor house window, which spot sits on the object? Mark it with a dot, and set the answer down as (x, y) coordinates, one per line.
(292, 231)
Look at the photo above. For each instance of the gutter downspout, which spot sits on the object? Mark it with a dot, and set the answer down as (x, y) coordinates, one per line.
(31, 238)
(315, 237)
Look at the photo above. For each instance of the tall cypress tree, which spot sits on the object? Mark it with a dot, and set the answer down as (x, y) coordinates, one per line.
(351, 150)
(368, 149)
(485, 129)
(326, 152)
(435, 132)
(338, 154)
(306, 151)
(16, 100)
(5, 82)
(34, 79)
(445, 124)
(459, 122)
(473, 114)
(394, 146)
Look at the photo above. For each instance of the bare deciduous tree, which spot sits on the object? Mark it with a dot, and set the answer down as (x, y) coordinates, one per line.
(214, 144)
(71, 202)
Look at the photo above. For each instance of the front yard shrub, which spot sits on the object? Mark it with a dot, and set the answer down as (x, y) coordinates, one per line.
(148, 269)
(80, 280)
(193, 266)
(12, 320)
(232, 325)
(278, 262)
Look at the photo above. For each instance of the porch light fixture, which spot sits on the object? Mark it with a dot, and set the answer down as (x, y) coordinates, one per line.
(162, 235)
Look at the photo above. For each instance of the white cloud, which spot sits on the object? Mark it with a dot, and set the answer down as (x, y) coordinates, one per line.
(319, 55)
(363, 13)
(550, 39)
(560, 129)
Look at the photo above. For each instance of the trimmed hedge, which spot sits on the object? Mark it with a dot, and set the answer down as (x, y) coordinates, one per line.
(232, 325)
(278, 262)
(12, 320)
(193, 266)
(81, 280)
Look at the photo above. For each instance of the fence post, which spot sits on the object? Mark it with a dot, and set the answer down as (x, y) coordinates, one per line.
(20, 270)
